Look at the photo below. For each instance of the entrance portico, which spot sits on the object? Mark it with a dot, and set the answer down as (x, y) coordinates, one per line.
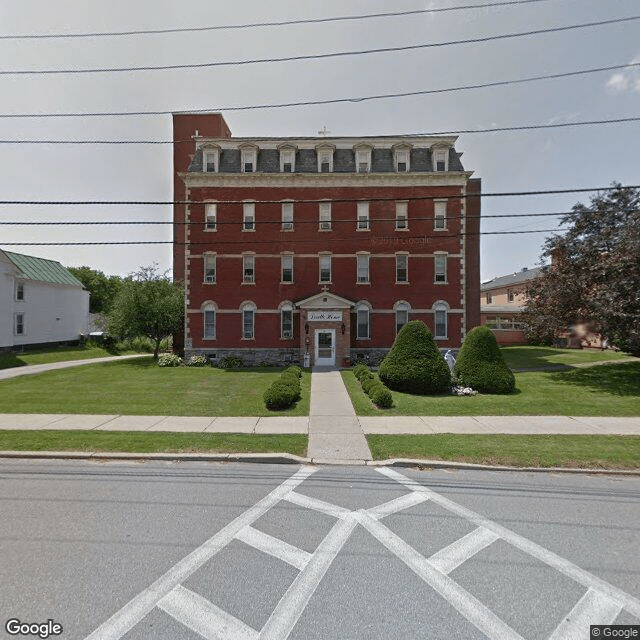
(325, 328)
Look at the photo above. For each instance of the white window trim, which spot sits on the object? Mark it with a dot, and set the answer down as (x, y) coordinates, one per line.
(19, 292)
(209, 307)
(248, 259)
(402, 209)
(440, 306)
(440, 254)
(325, 152)
(443, 153)
(287, 215)
(207, 259)
(366, 258)
(208, 208)
(286, 306)
(248, 208)
(282, 259)
(406, 267)
(362, 156)
(22, 324)
(288, 156)
(362, 211)
(401, 307)
(214, 154)
(245, 307)
(363, 306)
(324, 216)
(440, 207)
(326, 256)
(248, 155)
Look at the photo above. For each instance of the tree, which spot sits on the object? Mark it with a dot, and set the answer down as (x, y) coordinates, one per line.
(594, 276)
(148, 304)
(102, 289)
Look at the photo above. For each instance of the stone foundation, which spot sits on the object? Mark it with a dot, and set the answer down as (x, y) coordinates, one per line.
(250, 357)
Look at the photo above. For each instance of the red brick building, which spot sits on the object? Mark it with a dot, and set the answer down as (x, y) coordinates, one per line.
(325, 245)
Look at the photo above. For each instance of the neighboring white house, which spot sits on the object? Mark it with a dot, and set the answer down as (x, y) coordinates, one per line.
(40, 302)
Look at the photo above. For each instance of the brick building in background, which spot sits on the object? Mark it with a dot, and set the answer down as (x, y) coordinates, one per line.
(324, 245)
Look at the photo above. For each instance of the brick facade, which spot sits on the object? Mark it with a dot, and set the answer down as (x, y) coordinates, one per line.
(247, 280)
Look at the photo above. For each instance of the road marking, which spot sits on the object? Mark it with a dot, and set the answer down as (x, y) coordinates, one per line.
(447, 559)
(466, 604)
(317, 505)
(592, 606)
(398, 504)
(137, 608)
(274, 547)
(203, 617)
(293, 603)
(586, 579)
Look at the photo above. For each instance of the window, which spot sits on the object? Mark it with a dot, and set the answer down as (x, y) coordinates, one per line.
(362, 321)
(362, 263)
(325, 216)
(363, 216)
(440, 309)
(440, 214)
(209, 268)
(249, 216)
(402, 274)
(401, 159)
(209, 322)
(248, 310)
(325, 160)
(402, 314)
(287, 268)
(510, 295)
(211, 216)
(401, 216)
(440, 261)
(363, 160)
(287, 160)
(325, 268)
(287, 216)
(440, 159)
(489, 298)
(210, 160)
(248, 159)
(248, 269)
(19, 291)
(286, 321)
(19, 324)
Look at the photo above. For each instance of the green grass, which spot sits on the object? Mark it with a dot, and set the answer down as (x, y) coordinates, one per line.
(607, 390)
(536, 357)
(576, 451)
(46, 356)
(140, 387)
(136, 442)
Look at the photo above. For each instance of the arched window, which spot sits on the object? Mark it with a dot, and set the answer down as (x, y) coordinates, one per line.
(286, 320)
(363, 320)
(402, 309)
(209, 310)
(248, 312)
(441, 310)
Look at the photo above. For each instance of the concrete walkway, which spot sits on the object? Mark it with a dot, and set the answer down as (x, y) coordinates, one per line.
(335, 433)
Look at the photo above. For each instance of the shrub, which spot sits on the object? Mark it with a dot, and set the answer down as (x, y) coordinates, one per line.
(230, 362)
(197, 361)
(414, 364)
(281, 395)
(367, 383)
(359, 369)
(381, 396)
(169, 360)
(295, 368)
(480, 364)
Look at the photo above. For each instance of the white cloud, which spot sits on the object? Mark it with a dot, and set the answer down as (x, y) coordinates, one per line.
(627, 79)
(618, 83)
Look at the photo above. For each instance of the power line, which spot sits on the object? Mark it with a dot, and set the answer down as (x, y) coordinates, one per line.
(253, 25)
(383, 96)
(319, 56)
(311, 200)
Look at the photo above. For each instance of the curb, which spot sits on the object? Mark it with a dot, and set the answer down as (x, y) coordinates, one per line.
(289, 458)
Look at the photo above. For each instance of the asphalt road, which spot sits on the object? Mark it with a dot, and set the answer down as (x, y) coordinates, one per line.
(195, 550)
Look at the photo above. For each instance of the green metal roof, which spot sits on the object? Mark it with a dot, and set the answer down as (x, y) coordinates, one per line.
(32, 268)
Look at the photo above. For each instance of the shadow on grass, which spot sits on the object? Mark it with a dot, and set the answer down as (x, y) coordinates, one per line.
(617, 380)
(529, 358)
(10, 360)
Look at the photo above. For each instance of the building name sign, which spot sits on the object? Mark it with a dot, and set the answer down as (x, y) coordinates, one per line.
(324, 316)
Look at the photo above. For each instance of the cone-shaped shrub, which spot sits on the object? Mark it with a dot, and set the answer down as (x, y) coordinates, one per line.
(414, 364)
(480, 364)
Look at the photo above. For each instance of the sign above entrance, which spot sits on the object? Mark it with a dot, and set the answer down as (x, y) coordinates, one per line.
(324, 316)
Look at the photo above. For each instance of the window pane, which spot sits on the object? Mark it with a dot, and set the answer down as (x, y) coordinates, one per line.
(402, 317)
(363, 268)
(247, 323)
(441, 323)
(441, 268)
(325, 268)
(287, 268)
(440, 221)
(209, 324)
(363, 323)
(287, 323)
(401, 268)
(209, 269)
(248, 269)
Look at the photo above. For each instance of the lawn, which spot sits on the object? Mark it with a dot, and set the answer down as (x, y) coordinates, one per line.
(606, 390)
(46, 356)
(537, 357)
(140, 442)
(140, 387)
(574, 451)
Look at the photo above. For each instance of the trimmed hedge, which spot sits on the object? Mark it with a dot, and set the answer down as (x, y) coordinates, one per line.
(379, 394)
(480, 364)
(285, 391)
(414, 364)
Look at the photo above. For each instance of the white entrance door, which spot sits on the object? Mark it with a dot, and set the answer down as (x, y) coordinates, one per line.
(325, 348)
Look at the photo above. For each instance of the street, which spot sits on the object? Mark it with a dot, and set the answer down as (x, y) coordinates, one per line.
(212, 550)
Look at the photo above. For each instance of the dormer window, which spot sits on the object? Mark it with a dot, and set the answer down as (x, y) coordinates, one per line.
(325, 159)
(210, 159)
(441, 159)
(401, 158)
(249, 159)
(363, 159)
(287, 159)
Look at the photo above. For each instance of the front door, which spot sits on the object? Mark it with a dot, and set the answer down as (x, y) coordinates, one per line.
(325, 348)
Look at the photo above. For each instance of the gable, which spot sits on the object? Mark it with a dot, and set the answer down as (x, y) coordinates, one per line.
(41, 270)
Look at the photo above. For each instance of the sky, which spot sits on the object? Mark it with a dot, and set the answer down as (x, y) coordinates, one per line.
(574, 157)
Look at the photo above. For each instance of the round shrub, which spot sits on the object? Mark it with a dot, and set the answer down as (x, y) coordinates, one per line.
(294, 368)
(280, 395)
(291, 377)
(367, 383)
(230, 362)
(381, 396)
(169, 360)
(197, 361)
(359, 370)
(480, 364)
(414, 364)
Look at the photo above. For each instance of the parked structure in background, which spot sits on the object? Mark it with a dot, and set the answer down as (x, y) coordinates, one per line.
(40, 302)
(501, 303)
(323, 246)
